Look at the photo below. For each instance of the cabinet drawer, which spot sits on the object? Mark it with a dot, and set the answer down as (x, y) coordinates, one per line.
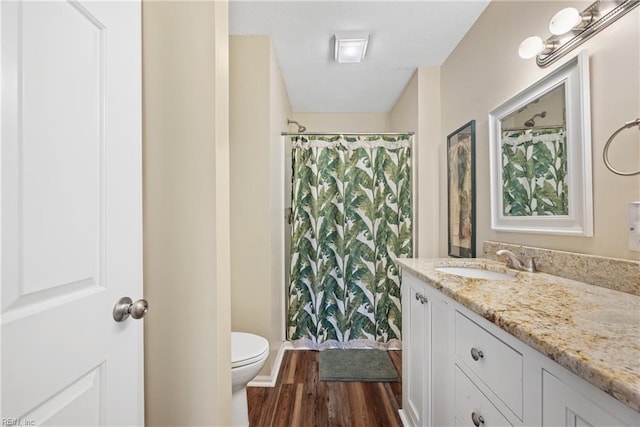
(469, 400)
(498, 365)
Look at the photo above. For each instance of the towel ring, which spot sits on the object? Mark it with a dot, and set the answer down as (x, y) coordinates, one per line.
(605, 151)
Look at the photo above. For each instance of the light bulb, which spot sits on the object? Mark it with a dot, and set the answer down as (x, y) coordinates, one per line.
(350, 52)
(530, 47)
(564, 21)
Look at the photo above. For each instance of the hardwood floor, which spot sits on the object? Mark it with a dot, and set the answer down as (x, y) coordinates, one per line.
(300, 399)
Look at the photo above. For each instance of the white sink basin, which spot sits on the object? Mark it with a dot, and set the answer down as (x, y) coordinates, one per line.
(475, 273)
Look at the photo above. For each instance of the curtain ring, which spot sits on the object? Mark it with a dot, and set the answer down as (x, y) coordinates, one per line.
(605, 151)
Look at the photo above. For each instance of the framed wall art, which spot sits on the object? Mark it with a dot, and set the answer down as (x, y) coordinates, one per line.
(461, 186)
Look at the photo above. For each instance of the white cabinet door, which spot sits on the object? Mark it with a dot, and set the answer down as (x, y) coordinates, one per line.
(71, 212)
(563, 405)
(415, 354)
(440, 405)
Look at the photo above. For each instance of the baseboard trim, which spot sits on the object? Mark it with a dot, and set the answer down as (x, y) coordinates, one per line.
(403, 418)
(270, 380)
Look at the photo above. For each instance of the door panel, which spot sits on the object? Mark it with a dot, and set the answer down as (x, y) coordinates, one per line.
(79, 401)
(60, 124)
(71, 212)
(57, 158)
(565, 406)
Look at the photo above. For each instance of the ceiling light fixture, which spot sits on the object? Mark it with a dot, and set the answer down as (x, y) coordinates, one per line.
(350, 47)
(569, 28)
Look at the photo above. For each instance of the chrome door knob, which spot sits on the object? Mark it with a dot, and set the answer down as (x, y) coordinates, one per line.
(125, 308)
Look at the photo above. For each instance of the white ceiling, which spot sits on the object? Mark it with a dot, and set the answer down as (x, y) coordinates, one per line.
(403, 36)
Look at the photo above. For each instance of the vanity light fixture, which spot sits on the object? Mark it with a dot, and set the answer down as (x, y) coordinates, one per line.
(350, 47)
(534, 45)
(569, 28)
(568, 19)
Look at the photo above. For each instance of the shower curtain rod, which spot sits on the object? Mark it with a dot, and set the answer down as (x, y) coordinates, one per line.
(534, 128)
(346, 133)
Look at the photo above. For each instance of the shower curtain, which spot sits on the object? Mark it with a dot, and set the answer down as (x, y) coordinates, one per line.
(351, 203)
(534, 171)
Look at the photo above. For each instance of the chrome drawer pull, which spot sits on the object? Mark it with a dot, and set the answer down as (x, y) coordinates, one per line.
(421, 298)
(477, 419)
(476, 354)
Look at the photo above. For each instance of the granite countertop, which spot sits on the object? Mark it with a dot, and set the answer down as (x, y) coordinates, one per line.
(592, 331)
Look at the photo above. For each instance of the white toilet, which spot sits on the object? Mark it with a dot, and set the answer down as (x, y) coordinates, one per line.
(248, 354)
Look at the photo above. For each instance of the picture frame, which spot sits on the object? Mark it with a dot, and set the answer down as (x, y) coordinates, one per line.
(461, 191)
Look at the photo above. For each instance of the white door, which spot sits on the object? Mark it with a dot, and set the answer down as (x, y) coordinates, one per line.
(71, 212)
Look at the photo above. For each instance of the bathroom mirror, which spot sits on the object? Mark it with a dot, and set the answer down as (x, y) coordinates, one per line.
(540, 154)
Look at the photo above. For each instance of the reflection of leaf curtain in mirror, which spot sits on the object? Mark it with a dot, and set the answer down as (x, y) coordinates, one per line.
(534, 172)
(351, 204)
(555, 203)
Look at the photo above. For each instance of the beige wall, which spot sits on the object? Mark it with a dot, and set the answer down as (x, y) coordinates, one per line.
(485, 70)
(342, 122)
(279, 110)
(418, 110)
(259, 106)
(186, 220)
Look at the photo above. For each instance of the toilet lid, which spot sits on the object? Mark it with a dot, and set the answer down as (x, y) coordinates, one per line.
(247, 348)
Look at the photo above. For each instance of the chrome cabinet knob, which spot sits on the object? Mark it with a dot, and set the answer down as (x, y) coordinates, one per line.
(477, 419)
(476, 354)
(125, 308)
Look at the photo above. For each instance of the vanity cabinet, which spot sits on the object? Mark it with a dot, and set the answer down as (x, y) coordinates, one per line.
(460, 369)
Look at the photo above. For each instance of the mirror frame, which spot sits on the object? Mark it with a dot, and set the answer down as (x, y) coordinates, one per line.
(579, 222)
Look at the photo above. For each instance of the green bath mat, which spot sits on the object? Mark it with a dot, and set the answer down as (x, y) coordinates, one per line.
(356, 365)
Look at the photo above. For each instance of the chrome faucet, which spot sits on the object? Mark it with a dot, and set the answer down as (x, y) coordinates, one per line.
(527, 263)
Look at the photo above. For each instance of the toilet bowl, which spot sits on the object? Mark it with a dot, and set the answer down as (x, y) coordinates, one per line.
(248, 354)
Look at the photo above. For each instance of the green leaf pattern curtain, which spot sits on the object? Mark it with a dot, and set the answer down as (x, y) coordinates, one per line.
(534, 172)
(351, 217)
